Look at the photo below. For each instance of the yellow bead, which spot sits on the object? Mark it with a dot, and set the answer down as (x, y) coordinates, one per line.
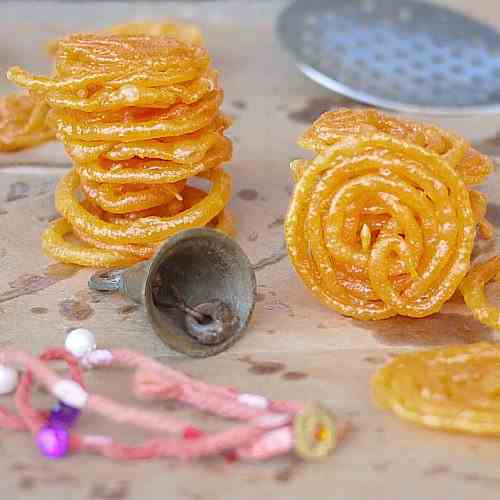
(315, 433)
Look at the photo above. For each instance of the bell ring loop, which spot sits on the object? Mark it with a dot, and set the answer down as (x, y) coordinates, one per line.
(109, 280)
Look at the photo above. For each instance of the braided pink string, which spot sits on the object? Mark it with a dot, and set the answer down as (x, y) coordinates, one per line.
(266, 431)
(28, 417)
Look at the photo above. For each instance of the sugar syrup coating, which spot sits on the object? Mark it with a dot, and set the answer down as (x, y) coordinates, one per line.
(454, 388)
(139, 116)
(22, 118)
(416, 209)
(473, 291)
(382, 221)
(186, 32)
(333, 126)
(22, 122)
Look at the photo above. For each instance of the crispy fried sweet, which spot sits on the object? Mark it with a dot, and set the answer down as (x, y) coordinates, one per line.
(479, 205)
(124, 199)
(187, 149)
(334, 126)
(147, 229)
(136, 124)
(22, 122)
(112, 98)
(472, 289)
(378, 226)
(139, 116)
(87, 62)
(152, 171)
(452, 388)
(186, 32)
(381, 222)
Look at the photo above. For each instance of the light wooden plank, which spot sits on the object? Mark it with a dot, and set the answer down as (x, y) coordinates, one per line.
(271, 103)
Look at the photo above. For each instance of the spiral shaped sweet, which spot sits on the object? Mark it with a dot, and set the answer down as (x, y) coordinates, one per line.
(139, 116)
(186, 32)
(452, 388)
(378, 226)
(23, 119)
(22, 122)
(473, 291)
(332, 127)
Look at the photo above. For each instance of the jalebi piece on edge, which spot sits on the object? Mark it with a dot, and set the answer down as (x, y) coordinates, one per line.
(473, 291)
(140, 117)
(22, 123)
(381, 222)
(453, 388)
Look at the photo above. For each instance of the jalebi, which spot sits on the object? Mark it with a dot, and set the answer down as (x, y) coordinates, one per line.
(332, 127)
(139, 116)
(23, 119)
(185, 32)
(472, 289)
(452, 388)
(22, 122)
(381, 221)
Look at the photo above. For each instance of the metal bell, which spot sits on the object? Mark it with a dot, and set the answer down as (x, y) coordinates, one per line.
(198, 290)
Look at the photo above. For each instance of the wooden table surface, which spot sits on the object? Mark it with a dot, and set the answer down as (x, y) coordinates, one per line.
(294, 348)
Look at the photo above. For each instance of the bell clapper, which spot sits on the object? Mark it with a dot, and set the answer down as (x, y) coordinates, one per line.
(209, 323)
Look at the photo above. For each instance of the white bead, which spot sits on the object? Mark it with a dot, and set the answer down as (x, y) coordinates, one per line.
(99, 357)
(254, 400)
(274, 442)
(80, 342)
(70, 393)
(8, 379)
(272, 421)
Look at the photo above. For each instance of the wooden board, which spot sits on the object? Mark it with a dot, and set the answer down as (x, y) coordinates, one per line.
(294, 348)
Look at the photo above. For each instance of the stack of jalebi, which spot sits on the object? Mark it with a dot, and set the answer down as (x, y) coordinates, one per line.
(452, 388)
(139, 116)
(382, 221)
(22, 118)
(22, 122)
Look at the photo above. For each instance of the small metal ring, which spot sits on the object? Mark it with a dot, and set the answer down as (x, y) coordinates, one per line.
(109, 280)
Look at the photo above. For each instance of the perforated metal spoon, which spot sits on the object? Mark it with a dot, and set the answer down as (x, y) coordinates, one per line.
(398, 54)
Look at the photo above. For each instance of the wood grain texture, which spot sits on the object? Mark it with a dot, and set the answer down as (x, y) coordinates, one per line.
(294, 348)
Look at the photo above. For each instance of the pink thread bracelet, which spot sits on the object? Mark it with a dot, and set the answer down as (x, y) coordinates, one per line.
(263, 428)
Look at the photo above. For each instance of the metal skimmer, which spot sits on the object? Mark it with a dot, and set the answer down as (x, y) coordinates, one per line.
(398, 54)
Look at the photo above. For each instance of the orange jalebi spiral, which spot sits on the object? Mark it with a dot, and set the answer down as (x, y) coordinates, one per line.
(453, 388)
(22, 122)
(381, 221)
(139, 116)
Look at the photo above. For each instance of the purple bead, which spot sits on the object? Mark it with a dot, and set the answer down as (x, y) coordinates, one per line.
(63, 415)
(53, 442)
